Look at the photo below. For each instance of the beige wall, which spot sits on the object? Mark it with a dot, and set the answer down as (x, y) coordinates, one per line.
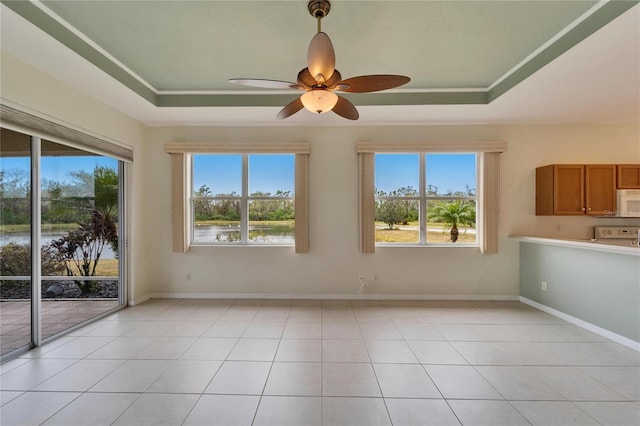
(334, 263)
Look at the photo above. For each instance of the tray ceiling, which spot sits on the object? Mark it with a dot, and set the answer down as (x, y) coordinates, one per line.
(180, 54)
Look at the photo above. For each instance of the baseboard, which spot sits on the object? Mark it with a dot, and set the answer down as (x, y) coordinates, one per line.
(584, 324)
(139, 300)
(333, 296)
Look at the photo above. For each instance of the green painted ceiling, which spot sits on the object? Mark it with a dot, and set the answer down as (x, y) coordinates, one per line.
(454, 51)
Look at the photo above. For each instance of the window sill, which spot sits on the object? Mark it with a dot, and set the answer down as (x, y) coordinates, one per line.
(452, 245)
(200, 245)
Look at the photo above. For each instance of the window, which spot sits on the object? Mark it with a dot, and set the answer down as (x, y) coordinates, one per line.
(425, 198)
(243, 199)
(226, 194)
(410, 193)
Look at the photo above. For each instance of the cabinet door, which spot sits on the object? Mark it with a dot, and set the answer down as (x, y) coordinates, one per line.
(568, 194)
(629, 176)
(600, 189)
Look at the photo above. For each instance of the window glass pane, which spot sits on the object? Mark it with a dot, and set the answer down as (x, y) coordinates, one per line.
(450, 221)
(396, 174)
(272, 174)
(451, 174)
(217, 175)
(15, 240)
(216, 221)
(271, 221)
(397, 221)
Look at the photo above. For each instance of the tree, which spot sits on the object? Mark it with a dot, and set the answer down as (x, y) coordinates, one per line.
(387, 210)
(261, 209)
(15, 191)
(106, 191)
(408, 206)
(83, 247)
(202, 206)
(452, 213)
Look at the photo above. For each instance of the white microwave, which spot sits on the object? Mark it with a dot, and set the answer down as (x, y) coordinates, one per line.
(629, 202)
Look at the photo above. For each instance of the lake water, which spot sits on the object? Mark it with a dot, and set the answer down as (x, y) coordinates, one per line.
(46, 238)
(268, 234)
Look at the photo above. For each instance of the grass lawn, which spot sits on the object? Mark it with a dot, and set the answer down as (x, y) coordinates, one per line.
(404, 235)
(106, 268)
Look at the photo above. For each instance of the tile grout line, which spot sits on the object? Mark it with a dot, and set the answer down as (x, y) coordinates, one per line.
(264, 387)
(321, 365)
(375, 374)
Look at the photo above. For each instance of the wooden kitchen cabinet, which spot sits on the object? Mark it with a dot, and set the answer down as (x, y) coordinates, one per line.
(576, 189)
(600, 189)
(628, 176)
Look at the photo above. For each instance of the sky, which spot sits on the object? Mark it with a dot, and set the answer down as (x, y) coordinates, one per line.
(445, 171)
(58, 168)
(272, 172)
(223, 173)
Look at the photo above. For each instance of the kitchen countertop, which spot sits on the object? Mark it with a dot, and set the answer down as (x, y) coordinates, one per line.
(599, 245)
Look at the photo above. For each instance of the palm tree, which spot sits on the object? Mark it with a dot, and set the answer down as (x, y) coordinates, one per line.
(452, 213)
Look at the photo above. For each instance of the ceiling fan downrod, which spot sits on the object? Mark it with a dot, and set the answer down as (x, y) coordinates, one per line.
(319, 9)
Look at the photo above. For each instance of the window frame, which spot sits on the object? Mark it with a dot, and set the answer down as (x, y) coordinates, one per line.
(423, 198)
(487, 191)
(245, 200)
(181, 152)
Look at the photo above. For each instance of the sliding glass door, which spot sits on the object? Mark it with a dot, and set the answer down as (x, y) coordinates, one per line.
(79, 235)
(75, 215)
(15, 241)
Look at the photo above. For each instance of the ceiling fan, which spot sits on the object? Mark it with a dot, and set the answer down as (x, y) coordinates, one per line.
(320, 80)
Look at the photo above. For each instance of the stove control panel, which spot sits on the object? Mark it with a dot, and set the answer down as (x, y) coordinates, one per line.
(606, 232)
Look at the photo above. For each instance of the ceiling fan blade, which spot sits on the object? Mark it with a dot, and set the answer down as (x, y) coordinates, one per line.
(265, 84)
(321, 58)
(346, 109)
(290, 109)
(374, 83)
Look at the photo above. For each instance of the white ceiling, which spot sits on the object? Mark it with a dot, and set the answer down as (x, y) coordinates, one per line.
(596, 81)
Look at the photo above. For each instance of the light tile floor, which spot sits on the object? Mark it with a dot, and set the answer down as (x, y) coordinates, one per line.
(332, 362)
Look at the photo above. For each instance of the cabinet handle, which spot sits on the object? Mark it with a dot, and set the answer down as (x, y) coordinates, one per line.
(589, 208)
(583, 209)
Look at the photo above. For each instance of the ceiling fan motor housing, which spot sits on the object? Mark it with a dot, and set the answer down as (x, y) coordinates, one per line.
(319, 8)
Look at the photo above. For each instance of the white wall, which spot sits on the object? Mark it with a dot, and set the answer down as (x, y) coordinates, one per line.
(23, 87)
(334, 263)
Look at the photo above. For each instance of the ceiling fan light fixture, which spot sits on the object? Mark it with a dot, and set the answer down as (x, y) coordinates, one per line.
(319, 100)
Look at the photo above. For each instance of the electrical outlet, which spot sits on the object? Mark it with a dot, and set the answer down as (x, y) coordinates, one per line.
(363, 284)
(188, 276)
(557, 227)
(543, 285)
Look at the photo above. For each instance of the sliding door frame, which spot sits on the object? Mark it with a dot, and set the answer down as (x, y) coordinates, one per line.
(36, 238)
